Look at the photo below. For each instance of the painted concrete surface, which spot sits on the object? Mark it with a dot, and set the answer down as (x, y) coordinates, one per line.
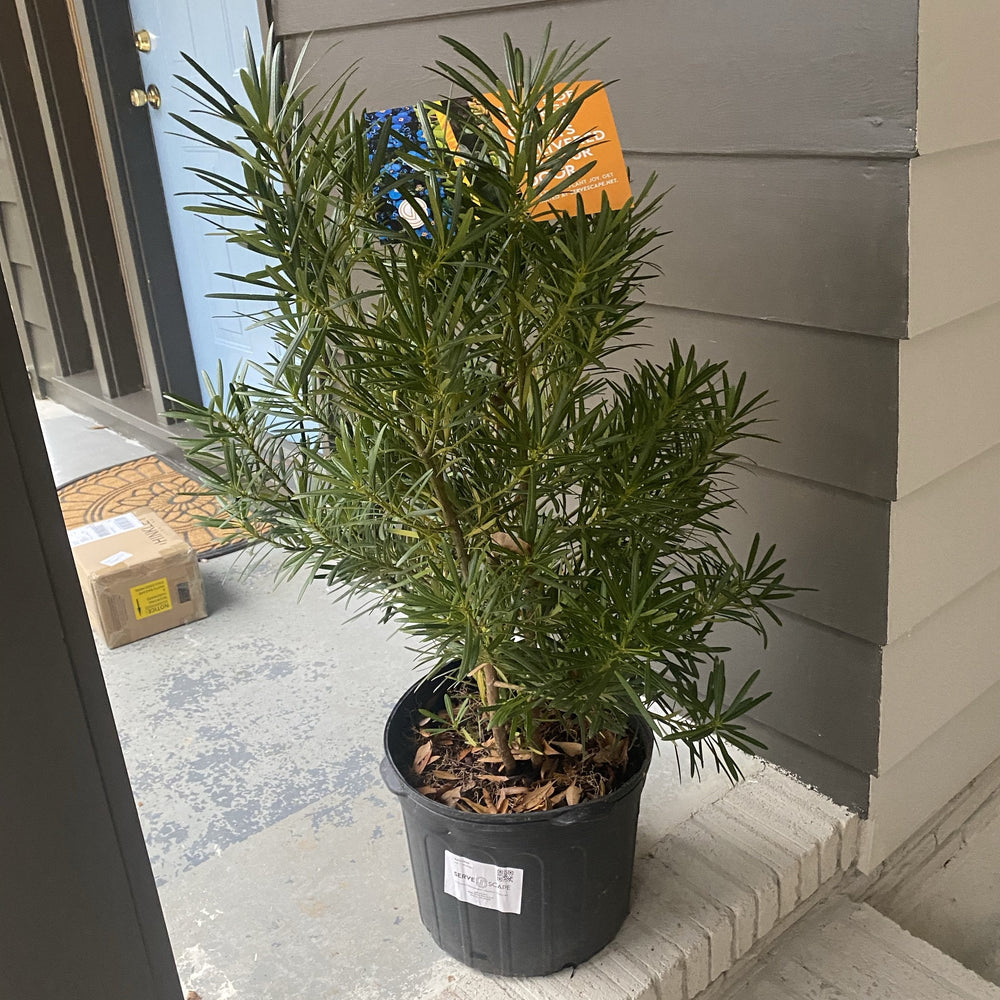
(956, 905)
(78, 446)
(253, 742)
(266, 707)
(844, 949)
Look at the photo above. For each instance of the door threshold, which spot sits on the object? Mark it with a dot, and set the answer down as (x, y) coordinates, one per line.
(134, 416)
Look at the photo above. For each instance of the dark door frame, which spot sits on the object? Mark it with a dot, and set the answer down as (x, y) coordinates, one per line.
(79, 911)
(111, 69)
(81, 204)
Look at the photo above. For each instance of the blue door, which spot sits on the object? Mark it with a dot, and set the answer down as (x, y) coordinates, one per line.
(211, 32)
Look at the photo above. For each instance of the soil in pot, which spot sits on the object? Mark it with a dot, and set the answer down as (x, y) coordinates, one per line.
(456, 762)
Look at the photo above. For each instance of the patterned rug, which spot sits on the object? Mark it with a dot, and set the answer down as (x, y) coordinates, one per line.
(150, 481)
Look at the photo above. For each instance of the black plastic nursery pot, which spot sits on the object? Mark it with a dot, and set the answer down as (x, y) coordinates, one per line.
(524, 894)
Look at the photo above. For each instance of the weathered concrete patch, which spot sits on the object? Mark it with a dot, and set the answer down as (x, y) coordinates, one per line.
(234, 723)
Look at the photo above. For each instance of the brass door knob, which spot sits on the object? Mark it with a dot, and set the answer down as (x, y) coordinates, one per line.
(150, 96)
(143, 40)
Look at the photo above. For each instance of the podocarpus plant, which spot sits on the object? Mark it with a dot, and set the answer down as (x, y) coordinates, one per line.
(444, 430)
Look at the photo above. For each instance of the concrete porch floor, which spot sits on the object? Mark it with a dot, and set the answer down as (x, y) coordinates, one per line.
(955, 904)
(253, 740)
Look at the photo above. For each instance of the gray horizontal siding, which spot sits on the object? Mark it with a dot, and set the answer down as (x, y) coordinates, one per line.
(834, 401)
(906, 795)
(17, 267)
(322, 15)
(8, 188)
(8, 183)
(940, 694)
(818, 241)
(957, 94)
(949, 391)
(944, 540)
(954, 235)
(30, 295)
(843, 783)
(16, 235)
(814, 242)
(933, 673)
(834, 542)
(833, 409)
(825, 685)
(46, 363)
(725, 77)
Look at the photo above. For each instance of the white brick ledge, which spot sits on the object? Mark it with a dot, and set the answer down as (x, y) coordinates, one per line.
(706, 893)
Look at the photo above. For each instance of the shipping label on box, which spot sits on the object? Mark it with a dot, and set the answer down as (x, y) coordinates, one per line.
(139, 577)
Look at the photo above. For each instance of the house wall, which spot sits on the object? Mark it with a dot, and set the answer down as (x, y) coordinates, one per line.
(35, 262)
(941, 683)
(785, 128)
(17, 261)
(59, 253)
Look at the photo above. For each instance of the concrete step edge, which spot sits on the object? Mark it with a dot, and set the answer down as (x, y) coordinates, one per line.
(843, 947)
(921, 952)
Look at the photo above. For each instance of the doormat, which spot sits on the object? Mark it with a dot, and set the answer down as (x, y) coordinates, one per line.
(150, 481)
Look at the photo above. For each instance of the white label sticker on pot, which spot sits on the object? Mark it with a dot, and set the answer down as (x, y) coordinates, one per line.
(490, 886)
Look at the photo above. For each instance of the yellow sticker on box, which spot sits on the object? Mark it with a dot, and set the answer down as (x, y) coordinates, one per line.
(151, 598)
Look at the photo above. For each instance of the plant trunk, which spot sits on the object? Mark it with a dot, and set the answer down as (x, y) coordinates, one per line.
(500, 733)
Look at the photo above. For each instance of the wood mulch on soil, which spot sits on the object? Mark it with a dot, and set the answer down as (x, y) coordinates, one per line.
(453, 769)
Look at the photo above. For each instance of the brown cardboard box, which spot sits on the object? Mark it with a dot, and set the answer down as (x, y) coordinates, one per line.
(139, 577)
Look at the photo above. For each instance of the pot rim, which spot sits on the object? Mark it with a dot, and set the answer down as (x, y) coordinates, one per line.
(564, 815)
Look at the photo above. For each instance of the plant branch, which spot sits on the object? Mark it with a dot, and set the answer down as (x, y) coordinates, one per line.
(448, 511)
(500, 734)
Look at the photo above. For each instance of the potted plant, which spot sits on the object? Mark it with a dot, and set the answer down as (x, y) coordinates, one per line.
(445, 431)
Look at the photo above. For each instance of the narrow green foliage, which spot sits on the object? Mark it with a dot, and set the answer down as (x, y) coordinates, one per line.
(452, 718)
(443, 429)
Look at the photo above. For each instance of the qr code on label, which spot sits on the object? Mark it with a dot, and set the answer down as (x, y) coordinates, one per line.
(505, 875)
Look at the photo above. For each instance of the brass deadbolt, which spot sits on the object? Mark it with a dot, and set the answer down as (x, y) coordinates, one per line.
(143, 40)
(150, 96)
